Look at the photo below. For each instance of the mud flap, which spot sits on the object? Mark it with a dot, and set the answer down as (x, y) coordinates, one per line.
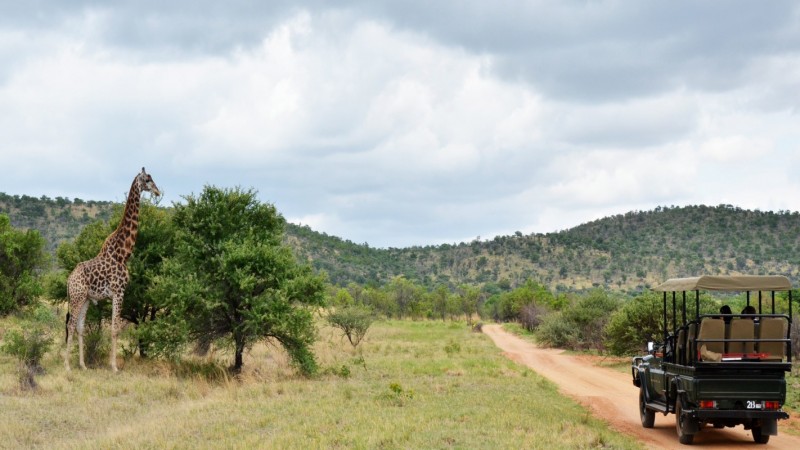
(692, 426)
(769, 427)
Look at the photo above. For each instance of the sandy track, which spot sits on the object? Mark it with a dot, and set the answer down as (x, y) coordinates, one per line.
(612, 397)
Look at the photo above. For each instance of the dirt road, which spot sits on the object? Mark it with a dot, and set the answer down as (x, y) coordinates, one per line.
(612, 397)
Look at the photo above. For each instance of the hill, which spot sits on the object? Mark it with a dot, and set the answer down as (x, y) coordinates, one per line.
(629, 251)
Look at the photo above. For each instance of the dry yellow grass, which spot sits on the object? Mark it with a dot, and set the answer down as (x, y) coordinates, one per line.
(425, 385)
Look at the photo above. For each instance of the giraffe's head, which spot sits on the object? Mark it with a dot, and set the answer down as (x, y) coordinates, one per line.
(146, 183)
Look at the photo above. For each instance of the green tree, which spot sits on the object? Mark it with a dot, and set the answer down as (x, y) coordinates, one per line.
(232, 278)
(638, 321)
(342, 298)
(154, 244)
(589, 315)
(439, 300)
(21, 256)
(469, 296)
(405, 294)
(85, 246)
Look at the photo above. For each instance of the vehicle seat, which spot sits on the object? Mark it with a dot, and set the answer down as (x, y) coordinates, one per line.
(680, 349)
(741, 329)
(691, 333)
(772, 328)
(712, 329)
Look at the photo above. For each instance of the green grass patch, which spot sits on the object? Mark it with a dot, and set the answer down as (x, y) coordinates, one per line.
(409, 385)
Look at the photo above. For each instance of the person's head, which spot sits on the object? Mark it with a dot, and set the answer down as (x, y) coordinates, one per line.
(749, 309)
(725, 310)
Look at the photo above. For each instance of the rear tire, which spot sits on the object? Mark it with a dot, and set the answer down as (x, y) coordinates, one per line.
(681, 423)
(759, 437)
(648, 416)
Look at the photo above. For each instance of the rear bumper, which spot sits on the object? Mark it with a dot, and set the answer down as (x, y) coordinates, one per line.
(736, 414)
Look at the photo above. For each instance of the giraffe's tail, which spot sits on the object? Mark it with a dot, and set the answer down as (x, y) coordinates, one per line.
(66, 329)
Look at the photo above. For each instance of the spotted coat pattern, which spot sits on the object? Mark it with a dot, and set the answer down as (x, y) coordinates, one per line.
(106, 275)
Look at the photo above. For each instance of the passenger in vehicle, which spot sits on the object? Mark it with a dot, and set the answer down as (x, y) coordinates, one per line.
(749, 309)
(726, 310)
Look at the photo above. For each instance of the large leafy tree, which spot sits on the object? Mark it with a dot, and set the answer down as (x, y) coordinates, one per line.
(233, 281)
(21, 255)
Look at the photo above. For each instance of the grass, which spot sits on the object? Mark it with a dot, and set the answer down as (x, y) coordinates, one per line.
(410, 385)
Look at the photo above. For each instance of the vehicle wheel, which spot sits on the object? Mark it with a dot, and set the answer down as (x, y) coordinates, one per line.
(681, 422)
(648, 416)
(759, 437)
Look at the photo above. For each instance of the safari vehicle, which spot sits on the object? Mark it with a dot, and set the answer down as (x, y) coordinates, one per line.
(718, 369)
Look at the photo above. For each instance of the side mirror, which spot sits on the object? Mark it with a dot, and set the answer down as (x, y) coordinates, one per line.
(651, 346)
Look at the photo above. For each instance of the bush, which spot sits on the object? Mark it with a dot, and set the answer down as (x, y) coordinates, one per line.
(29, 347)
(21, 256)
(637, 322)
(589, 317)
(96, 345)
(531, 316)
(452, 348)
(556, 331)
(353, 321)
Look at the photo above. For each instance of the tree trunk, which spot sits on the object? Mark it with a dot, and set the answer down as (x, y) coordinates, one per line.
(237, 364)
(143, 348)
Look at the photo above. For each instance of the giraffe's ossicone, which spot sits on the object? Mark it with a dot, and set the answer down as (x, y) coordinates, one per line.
(106, 275)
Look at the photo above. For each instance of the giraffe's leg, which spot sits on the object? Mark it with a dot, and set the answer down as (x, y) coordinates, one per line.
(76, 305)
(70, 331)
(81, 321)
(116, 324)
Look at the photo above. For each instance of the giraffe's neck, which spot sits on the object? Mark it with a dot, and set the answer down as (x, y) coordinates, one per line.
(119, 245)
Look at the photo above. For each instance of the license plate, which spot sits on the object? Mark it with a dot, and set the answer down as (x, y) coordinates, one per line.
(752, 404)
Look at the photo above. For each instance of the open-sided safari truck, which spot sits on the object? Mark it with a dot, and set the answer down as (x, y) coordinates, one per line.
(718, 369)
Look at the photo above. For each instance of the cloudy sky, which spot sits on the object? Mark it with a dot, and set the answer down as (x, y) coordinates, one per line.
(407, 122)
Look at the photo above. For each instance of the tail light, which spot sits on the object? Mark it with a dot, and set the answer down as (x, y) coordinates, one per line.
(707, 404)
(772, 405)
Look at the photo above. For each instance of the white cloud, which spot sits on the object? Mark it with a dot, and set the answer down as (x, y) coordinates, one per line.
(396, 126)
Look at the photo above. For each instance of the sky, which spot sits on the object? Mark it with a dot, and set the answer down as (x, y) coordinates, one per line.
(408, 122)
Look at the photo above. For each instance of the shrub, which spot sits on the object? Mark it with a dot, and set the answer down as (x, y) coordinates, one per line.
(29, 347)
(21, 256)
(452, 348)
(353, 321)
(589, 317)
(530, 316)
(556, 331)
(634, 324)
(96, 345)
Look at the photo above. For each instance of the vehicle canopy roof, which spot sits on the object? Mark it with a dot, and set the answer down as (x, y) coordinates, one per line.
(726, 283)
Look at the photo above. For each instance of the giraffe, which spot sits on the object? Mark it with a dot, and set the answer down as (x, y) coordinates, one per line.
(106, 275)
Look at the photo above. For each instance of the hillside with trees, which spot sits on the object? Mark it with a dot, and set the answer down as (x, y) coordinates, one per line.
(627, 252)
(623, 252)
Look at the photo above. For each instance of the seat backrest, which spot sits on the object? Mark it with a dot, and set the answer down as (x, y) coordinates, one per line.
(691, 333)
(712, 329)
(772, 328)
(741, 329)
(680, 348)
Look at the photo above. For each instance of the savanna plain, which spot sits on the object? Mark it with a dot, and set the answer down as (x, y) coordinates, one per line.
(410, 384)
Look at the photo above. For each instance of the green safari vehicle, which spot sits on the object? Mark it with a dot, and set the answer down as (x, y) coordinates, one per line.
(718, 369)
